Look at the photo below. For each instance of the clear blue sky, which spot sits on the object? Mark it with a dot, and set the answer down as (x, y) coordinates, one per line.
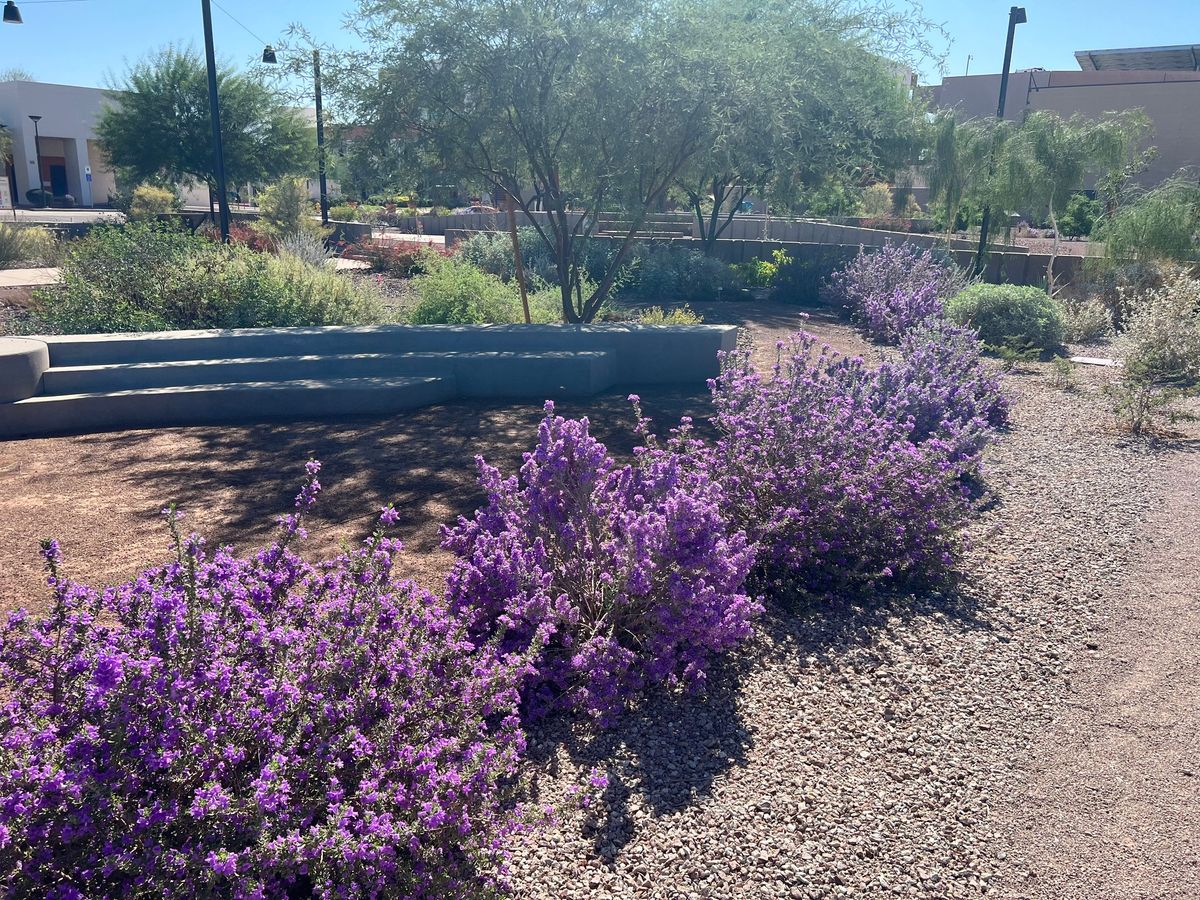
(1056, 29)
(82, 41)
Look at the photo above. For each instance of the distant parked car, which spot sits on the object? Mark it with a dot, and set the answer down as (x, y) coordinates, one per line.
(476, 210)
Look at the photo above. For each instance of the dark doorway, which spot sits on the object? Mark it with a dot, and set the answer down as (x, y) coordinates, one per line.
(58, 180)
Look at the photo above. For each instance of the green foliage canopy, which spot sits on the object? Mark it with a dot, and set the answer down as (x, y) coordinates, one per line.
(157, 126)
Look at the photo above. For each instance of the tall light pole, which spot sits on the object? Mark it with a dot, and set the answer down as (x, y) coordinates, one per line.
(37, 152)
(1016, 16)
(269, 56)
(214, 106)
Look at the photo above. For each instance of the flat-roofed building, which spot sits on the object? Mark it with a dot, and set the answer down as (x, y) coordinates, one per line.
(1163, 81)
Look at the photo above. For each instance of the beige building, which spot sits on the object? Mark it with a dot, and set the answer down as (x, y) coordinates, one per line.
(1163, 81)
(71, 162)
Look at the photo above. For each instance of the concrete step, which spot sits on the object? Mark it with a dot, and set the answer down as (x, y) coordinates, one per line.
(219, 403)
(474, 374)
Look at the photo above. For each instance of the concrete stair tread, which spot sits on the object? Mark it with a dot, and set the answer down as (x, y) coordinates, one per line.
(362, 382)
(346, 357)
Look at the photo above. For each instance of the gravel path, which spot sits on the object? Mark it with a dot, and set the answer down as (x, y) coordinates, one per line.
(862, 751)
(1111, 805)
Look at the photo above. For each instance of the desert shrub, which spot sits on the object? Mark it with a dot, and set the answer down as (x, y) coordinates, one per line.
(826, 479)
(28, 245)
(401, 258)
(940, 390)
(254, 726)
(802, 280)
(1019, 318)
(613, 577)
(890, 289)
(1161, 346)
(145, 277)
(1116, 285)
(1086, 319)
(656, 315)
(284, 207)
(306, 247)
(674, 274)
(150, 201)
(491, 251)
(454, 292)
(761, 272)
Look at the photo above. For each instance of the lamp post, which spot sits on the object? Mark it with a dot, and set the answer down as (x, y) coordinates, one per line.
(214, 106)
(37, 152)
(269, 56)
(12, 15)
(1016, 16)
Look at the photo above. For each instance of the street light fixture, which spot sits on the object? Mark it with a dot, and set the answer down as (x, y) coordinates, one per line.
(269, 57)
(37, 152)
(1016, 16)
(12, 15)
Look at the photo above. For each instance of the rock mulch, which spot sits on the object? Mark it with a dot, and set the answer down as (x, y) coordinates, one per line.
(862, 747)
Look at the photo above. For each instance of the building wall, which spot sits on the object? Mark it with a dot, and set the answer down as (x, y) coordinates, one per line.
(1170, 99)
(66, 127)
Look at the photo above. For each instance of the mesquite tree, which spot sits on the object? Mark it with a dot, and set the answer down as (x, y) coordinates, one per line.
(581, 108)
(806, 95)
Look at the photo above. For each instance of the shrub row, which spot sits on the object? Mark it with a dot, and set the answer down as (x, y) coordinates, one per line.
(146, 277)
(262, 726)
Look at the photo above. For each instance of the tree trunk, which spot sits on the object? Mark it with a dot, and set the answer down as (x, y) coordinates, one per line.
(1053, 251)
(517, 263)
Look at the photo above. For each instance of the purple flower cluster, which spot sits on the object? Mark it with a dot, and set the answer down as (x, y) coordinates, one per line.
(838, 473)
(941, 388)
(611, 577)
(254, 727)
(894, 288)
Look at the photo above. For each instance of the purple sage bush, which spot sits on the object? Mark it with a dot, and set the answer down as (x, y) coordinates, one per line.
(893, 288)
(612, 578)
(939, 387)
(254, 727)
(832, 484)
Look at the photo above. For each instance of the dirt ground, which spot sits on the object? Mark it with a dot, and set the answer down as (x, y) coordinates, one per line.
(101, 494)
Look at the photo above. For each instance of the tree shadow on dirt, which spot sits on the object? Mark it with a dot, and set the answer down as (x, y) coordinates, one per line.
(422, 461)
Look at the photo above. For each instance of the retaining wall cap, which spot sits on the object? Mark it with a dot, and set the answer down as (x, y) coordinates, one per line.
(22, 363)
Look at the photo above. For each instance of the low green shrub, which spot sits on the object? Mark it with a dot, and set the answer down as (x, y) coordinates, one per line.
(145, 277)
(761, 272)
(150, 201)
(356, 212)
(1015, 317)
(452, 291)
(28, 245)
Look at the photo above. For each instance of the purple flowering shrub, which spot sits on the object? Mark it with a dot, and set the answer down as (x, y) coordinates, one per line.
(893, 288)
(612, 577)
(942, 389)
(826, 480)
(254, 727)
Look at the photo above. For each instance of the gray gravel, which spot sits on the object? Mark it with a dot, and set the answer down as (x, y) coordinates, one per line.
(858, 751)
